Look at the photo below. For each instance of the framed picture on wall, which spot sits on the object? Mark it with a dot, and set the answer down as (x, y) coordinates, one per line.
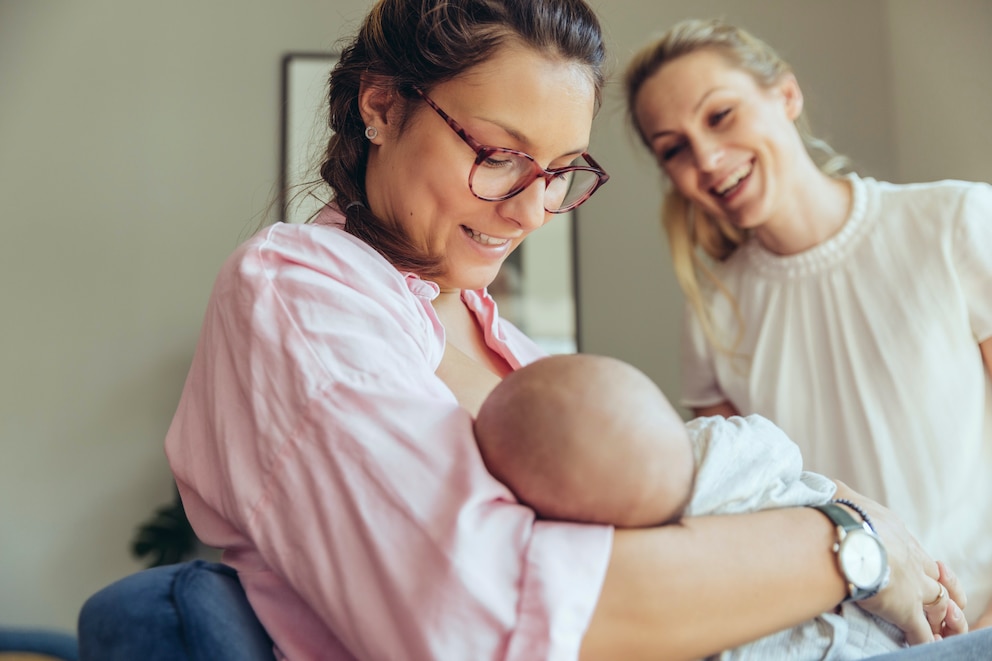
(304, 133)
(536, 288)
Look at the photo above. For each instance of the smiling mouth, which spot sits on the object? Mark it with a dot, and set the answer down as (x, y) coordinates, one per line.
(733, 182)
(484, 239)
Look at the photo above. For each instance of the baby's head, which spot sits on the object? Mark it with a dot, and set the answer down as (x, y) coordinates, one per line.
(587, 438)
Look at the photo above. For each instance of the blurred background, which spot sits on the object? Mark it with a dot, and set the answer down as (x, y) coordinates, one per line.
(139, 144)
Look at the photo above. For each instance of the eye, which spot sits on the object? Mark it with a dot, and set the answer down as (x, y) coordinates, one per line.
(670, 152)
(717, 118)
(497, 163)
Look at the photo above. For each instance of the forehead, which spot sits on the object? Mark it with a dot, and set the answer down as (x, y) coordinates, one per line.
(679, 86)
(541, 98)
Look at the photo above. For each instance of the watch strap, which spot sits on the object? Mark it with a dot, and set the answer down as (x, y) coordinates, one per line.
(844, 521)
(857, 508)
(841, 517)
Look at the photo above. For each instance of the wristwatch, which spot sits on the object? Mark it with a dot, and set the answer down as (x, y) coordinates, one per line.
(861, 555)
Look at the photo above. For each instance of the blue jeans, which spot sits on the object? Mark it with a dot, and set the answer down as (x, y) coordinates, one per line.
(197, 611)
(972, 646)
(191, 611)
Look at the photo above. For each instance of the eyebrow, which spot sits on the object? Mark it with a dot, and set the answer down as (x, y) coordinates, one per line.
(522, 139)
(695, 109)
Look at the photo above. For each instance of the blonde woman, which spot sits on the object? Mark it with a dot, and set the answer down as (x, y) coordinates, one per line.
(856, 314)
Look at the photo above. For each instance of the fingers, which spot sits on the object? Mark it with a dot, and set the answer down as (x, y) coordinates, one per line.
(926, 624)
(950, 581)
(943, 614)
(938, 600)
(918, 630)
(936, 609)
(954, 621)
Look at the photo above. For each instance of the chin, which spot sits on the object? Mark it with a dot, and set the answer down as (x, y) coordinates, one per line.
(751, 222)
(481, 279)
(469, 283)
(482, 284)
(743, 220)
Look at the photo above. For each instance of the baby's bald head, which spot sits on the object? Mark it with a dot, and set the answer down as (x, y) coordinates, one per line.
(587, 438)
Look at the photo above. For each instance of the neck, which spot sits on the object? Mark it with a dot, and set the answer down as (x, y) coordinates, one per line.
(816, 211)
(450, 309)
(447, 299)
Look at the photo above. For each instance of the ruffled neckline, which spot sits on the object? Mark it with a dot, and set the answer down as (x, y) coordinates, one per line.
(822, 256)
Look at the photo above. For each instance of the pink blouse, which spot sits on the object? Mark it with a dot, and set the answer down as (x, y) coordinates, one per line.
(314, 444)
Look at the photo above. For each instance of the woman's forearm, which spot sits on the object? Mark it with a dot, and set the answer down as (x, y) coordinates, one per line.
(711, 583)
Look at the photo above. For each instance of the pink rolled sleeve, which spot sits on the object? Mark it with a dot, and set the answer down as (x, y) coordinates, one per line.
(315, 445)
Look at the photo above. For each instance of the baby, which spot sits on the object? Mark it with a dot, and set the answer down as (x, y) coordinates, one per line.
(587, 438)
(592, 439)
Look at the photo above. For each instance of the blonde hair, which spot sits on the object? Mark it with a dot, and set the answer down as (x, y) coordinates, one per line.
(696, 240)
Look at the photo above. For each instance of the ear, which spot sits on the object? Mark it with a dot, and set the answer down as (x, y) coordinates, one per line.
(376, 101)
(791, 93)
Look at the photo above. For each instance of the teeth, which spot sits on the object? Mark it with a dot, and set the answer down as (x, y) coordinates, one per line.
(485, 239)
(734, 178)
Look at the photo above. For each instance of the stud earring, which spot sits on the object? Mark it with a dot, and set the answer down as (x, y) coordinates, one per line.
(371, 132)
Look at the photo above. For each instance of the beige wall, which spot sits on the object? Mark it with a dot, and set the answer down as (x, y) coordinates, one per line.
(943, 123)
(139, 144)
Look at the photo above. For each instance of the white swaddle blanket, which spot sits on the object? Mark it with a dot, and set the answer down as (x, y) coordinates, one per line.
(749, 464)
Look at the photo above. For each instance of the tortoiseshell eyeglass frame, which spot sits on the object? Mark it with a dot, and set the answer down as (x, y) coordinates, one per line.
(483, 152)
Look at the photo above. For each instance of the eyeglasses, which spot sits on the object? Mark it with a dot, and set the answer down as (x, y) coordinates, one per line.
(499, 174)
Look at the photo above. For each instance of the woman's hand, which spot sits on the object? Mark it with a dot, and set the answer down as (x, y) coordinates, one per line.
(944, 613)
(916, 580)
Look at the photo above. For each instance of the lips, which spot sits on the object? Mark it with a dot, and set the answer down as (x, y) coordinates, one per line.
(733, 180)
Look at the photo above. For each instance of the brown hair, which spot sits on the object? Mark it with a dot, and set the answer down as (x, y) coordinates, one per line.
(416, 44)
(695, 239)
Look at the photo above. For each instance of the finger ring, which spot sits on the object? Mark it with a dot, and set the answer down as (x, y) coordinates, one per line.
(940, 595)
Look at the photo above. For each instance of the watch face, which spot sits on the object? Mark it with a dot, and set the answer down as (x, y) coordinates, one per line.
(863, 559)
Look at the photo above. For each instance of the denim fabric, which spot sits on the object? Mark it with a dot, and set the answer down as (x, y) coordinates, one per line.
(197, 611)
(56, 644)
(192, 611)
(973, 646)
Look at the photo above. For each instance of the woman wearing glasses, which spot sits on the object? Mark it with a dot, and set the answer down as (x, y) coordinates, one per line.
(324, 435)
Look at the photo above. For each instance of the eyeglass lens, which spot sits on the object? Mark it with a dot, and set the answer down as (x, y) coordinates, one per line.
(502, 174)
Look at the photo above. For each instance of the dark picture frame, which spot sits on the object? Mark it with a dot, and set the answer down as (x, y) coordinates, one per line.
(304, 132)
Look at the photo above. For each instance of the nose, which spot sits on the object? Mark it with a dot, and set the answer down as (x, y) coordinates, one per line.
(708, 153)
(526, 208)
